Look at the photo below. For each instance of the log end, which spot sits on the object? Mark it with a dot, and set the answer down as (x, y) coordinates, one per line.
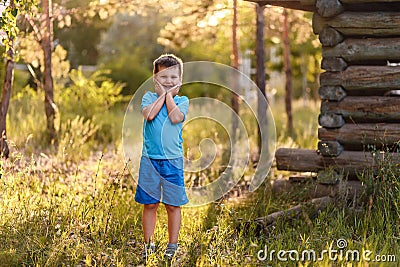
(331, 120)
(328, 36)
(333, 64)
(332, 93)
(329, 8)
(330, 148)
(329, 177)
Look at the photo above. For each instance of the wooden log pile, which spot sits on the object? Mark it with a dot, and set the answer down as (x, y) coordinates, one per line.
(360, 109)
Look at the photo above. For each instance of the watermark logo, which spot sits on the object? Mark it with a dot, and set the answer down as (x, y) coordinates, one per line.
(342, 253)
(219, 79)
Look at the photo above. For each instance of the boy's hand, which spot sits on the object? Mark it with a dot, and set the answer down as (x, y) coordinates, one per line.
(174, 90)
(160, 90)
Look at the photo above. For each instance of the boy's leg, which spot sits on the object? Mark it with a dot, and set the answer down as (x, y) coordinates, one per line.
(174, 222)
(149, 221)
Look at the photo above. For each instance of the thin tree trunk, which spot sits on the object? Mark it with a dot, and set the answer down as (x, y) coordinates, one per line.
(316, 78)
(260, 79)
(304, 68)
(5, 100)
(235, 64)
(47, 75)
(288, 72)
(5, 96)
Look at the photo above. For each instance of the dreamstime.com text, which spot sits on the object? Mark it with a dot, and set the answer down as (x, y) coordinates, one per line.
(339, 254)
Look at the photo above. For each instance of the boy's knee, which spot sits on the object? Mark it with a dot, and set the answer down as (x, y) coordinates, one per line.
(151, 206)
(172, 208)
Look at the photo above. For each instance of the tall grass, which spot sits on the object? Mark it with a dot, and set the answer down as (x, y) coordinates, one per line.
(83, 214)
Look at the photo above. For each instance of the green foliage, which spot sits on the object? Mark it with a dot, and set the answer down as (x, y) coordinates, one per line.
(88, 96)
(79, 209)
(8, 18)
(83, 35)
(129, 47)
(87, 216)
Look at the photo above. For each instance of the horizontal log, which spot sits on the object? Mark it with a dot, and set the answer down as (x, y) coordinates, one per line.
(331, 120)
(360, 135)
(333, 64)
(346, 189)
(333, 93)
(373, 108)
(348, 162)
(363, 77)
(365, 49)
(330, 37)
(360, 23)
(367, 1)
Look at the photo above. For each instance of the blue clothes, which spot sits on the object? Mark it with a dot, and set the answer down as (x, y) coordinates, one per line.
(161, 166)
(161, 138)
(161, 180)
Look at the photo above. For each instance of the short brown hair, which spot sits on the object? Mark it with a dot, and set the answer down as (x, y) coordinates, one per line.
(166, 61)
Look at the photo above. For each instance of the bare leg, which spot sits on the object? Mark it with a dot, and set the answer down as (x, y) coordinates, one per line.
(149, 221)
(174, 222)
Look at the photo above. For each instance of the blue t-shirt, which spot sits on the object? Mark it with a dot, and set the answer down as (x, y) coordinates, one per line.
(161, 138)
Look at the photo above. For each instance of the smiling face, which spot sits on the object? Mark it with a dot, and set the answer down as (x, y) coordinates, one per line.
(169, 77)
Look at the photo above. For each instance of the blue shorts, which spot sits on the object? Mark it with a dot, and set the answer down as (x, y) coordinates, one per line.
(161, 180)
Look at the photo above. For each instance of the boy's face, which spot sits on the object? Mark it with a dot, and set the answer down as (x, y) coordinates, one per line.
(168, 77)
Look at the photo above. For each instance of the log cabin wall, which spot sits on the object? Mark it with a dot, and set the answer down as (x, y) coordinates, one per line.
(360, 88)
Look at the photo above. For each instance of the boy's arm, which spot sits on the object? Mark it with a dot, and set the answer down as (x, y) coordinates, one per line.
(174, 113)
(151, 111)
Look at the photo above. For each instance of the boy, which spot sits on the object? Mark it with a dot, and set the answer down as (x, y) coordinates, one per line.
(161, 165)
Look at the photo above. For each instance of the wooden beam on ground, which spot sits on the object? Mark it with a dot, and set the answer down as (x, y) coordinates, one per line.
(315, 205)
(364, 77)
(365, 49)
(312, 189)
(348, 162)
(322, 196)
(359, 135)
(360, 23)
(372, 108)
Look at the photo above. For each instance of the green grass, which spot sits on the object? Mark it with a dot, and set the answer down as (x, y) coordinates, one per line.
(83, 213)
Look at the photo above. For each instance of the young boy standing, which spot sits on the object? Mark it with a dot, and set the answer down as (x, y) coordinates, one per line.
(161, 165)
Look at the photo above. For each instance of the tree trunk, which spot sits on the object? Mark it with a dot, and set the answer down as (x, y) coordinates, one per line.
(304, 82)
(288, 72)
(235, 64)
(260, 80)
(47, 75)
(5, 100)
